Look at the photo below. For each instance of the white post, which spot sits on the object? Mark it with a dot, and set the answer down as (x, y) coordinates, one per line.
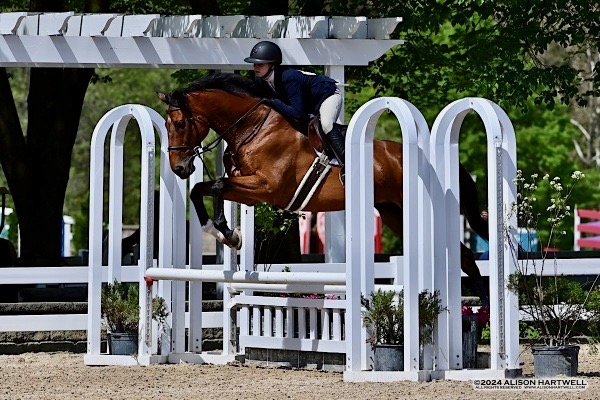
(335, 227)
(577, 234)
(195, 262)
(246, 265)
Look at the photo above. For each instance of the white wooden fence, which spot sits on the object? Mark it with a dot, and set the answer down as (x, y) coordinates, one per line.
(274, 305)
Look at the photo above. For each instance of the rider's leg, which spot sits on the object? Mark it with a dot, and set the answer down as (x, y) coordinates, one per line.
(329, 111)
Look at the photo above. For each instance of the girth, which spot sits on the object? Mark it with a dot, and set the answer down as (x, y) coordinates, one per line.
(311, 181)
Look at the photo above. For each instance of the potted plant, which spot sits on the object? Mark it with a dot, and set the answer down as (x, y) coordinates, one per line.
(120, 309)
(554, 306)
(473, 323)
(384, 319)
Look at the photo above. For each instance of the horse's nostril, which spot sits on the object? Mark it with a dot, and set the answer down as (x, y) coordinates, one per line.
(179, 169)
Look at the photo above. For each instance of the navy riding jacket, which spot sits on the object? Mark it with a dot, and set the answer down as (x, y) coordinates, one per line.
(299, 93)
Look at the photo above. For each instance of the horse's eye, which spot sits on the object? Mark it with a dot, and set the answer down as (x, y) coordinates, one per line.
(180, 124)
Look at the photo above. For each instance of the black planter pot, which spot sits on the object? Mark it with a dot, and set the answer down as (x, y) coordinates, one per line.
(469, 341)
(388, 357)
(551, 361)
(123, 344)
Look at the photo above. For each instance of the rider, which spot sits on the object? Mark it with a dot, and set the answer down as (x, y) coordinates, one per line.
(298, 93)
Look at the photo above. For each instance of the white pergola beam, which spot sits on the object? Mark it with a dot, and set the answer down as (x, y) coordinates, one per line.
(155, 25)
(11, 22)
(154, 52)
(260, 27)
(382, 28)
(69, 40)
(348, 28)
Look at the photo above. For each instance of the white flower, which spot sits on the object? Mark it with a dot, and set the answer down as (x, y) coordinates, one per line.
(577, 175)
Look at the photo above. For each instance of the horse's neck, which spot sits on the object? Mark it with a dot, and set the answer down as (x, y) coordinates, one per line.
(240, 119)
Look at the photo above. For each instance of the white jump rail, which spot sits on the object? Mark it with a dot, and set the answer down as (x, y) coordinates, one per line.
(130, 273)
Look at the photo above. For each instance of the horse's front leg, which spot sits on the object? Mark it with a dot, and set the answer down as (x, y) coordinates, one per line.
(233, 237)
(218, 228)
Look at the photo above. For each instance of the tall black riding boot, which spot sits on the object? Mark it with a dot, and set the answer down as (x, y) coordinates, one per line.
(337, 141)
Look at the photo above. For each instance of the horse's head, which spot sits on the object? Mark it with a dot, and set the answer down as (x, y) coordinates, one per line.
(185, 131)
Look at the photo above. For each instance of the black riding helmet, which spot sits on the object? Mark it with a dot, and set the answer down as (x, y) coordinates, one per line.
(265, 53)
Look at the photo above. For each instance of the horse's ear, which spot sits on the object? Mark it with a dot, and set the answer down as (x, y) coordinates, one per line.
(163, 97)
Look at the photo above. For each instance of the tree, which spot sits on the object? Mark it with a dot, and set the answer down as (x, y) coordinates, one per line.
(504, 51)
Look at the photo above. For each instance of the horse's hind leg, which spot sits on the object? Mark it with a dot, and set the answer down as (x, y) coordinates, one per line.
(469, 203)
(391, 214)
(476, 282)
(219, 228)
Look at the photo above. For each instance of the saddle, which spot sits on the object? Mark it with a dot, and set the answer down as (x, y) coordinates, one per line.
(318, 139)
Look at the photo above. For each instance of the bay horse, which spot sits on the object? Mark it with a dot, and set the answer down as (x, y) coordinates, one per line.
(267, 158)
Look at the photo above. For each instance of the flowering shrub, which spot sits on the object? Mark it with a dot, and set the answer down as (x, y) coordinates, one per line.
(553, 303)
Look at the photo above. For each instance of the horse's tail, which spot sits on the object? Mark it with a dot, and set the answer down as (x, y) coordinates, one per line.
(469, 203)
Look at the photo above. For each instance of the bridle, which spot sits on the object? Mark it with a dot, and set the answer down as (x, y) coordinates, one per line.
(199, 149)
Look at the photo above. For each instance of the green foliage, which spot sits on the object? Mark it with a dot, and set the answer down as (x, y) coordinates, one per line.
(270, 221)
(271, 227)
(545, 146)
(384, 316)
(527, 331)
(508, 53)
(173, 7)
(430, 306)
(120, 307)
(486, 332)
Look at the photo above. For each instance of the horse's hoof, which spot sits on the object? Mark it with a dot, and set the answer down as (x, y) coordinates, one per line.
(236, 238)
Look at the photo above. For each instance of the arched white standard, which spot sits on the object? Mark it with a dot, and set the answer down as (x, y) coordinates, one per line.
(445, 198)
(359, 225)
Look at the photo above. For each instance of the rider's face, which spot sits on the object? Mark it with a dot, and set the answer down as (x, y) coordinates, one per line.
(262, 70)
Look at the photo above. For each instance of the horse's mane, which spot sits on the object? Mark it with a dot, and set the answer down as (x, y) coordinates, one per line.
(231, 83)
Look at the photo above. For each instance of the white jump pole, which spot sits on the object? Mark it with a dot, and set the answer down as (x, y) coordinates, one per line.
(326, 278)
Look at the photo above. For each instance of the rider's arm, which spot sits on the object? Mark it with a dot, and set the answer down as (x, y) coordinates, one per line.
(293, 87)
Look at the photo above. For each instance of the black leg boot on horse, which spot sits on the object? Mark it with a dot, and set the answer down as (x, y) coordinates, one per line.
(233, 237)
(337, 143)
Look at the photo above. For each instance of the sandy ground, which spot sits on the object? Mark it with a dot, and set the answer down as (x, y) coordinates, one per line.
(64, 376)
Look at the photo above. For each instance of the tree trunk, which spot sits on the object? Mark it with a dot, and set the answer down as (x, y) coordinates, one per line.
(37, 167)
